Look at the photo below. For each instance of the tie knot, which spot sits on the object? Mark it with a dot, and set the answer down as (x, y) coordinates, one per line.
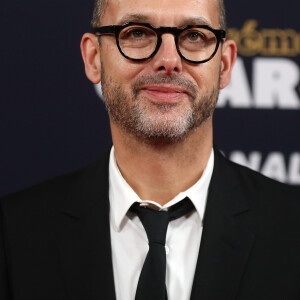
(156, 222)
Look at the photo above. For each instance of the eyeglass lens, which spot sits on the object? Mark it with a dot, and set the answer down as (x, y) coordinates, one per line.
(139, 42)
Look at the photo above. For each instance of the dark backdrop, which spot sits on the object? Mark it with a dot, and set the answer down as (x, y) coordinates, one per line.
(53, 121)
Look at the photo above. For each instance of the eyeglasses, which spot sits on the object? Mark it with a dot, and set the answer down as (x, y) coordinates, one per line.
(140, 41)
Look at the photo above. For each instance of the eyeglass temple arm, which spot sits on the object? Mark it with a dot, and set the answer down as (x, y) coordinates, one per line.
(222, 33)
(105, 29)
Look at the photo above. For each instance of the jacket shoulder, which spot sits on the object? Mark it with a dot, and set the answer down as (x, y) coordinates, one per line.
(59, 186)
(253, 184)
(266, 192)
(262, 182)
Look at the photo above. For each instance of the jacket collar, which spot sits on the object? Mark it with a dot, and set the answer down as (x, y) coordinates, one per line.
(84, 241)
(227, 235)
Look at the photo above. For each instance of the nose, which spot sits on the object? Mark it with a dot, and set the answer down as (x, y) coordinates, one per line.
(167, 59)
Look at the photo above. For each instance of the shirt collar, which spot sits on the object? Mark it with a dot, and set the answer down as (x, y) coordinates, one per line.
(122, 196)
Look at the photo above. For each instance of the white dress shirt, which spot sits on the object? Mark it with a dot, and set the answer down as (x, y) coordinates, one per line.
(130, 244)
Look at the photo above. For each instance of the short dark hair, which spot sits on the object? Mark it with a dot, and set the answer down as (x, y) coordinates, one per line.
(99, 10)
(100, 6)
(222, 17)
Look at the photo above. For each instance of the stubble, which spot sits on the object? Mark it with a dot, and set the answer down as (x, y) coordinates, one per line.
(153, 122)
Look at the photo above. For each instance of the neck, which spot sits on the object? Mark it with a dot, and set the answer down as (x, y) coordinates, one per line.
(159, 172)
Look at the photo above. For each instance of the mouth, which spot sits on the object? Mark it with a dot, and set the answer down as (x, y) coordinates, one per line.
(164, 93)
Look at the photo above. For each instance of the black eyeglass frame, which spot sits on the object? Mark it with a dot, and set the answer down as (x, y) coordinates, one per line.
(116, 29)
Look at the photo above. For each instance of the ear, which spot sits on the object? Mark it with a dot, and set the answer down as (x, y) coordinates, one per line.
(229, 53)
(91, 56)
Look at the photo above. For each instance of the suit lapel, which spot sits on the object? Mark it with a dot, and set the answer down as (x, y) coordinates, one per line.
(84, 243)
(227, 238)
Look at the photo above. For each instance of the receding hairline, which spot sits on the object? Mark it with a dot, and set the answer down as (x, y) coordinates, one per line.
(99, 10)
(101, 5)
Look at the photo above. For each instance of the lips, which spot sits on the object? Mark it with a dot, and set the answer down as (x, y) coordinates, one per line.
(164, 93)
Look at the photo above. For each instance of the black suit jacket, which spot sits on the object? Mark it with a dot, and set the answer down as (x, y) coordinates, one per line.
(55, 240)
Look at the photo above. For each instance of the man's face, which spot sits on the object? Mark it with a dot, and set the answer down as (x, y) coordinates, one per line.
(164, 97)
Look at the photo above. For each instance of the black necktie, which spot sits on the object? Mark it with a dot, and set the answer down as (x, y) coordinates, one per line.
(152, 281)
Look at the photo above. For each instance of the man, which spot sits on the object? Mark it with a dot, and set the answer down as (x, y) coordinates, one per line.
(80, 236)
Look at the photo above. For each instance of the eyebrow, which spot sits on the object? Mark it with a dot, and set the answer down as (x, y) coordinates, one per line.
(195, 21)
(134, 18)
(147, 19)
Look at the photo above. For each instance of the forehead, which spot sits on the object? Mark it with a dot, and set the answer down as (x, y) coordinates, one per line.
(162, 12)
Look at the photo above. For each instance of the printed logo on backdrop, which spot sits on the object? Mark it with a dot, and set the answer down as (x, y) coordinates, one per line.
(275, 81)
(274, 165)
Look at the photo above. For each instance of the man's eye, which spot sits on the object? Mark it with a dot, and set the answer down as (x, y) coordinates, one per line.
(194, 36)
(137, 33)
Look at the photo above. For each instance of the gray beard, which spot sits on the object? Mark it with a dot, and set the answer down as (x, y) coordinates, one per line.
(161, 126)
